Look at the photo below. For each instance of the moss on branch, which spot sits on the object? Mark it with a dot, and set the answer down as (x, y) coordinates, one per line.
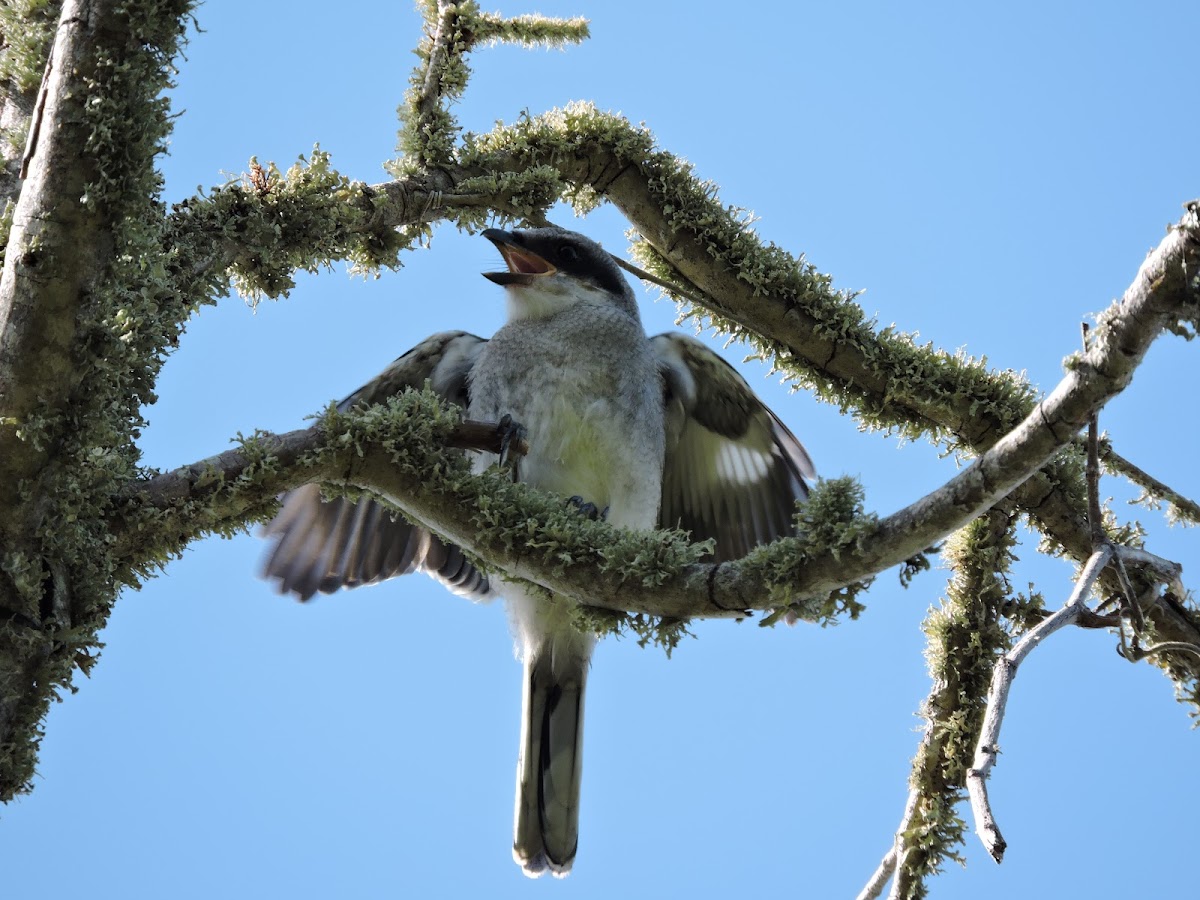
(59, 569)
(965, 639)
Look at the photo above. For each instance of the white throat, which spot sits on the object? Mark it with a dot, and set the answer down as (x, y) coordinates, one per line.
(547, 297)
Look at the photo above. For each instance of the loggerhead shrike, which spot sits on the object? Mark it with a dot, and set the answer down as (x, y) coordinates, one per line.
(654, 431)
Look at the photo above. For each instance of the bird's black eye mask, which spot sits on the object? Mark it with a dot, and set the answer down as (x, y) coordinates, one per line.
(532, 255)
(586, 262)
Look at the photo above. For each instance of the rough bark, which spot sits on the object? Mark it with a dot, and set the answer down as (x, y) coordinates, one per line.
(58, 248)
(85, 182)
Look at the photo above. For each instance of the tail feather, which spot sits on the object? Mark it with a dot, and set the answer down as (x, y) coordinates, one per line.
(546, 830)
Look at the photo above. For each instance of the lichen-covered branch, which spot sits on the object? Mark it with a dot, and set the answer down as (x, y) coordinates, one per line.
(780, 303)
(895, 382)
(965, 636)
(155, 517)
(80, 342)
(453, 28)
(815, 574)
(95, 291)
(790, 312)
(58, 248)
(399, 451)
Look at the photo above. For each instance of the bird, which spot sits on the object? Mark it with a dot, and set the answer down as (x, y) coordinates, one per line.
(644, 431)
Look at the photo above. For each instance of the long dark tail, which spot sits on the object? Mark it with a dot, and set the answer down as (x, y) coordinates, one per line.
(546, 830)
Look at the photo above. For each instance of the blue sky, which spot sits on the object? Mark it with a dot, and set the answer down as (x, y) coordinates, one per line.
(990, 177)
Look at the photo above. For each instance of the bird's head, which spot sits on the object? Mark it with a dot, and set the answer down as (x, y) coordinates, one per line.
(551, 269)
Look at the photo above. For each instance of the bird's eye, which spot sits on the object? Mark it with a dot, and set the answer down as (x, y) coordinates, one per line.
(567, 253)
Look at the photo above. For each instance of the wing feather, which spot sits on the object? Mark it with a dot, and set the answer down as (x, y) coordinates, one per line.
(323, 545)
(733, 471)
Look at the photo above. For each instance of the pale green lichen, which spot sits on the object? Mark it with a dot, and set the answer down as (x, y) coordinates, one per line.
(525, 195)
(659, 631)
(529, 31)
(543, 527)
(27, 27)
(832, 521)
(120, 337)
(428, 133)
(966, 636)
(274, 224)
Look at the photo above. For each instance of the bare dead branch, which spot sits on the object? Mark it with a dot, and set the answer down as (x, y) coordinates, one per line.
(888, 865)
(879, 879)
(488, 437)
(1165, 571)
(1002, 678)
(1095, 515)
(1074, 612)
(1167, 647)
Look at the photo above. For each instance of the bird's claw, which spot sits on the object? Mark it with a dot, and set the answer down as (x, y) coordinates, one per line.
(512, 441)
(589, 510)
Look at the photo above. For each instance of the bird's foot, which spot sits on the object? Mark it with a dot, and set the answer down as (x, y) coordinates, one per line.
(512, 443)
(589, 510)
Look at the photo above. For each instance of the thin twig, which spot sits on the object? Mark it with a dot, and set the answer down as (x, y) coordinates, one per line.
(1002, 677)
(1092, 472)
(1168, 647)
(1186, 509)
(1137, 617)
(888, 865)
(1132, 607)
(654, 279)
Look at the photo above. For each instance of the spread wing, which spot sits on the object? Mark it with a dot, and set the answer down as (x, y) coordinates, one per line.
(322, 545)
(733, 472)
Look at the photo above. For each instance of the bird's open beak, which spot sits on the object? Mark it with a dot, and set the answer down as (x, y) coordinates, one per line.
(524, 266)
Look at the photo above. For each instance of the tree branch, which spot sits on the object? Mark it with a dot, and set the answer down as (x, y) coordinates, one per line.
(791, 568)
(77, 357)
(58, 247)
(815, 334)
(1002, 678)
(965, 637)
(887, 866)
(221, 491)
(1183, 509)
